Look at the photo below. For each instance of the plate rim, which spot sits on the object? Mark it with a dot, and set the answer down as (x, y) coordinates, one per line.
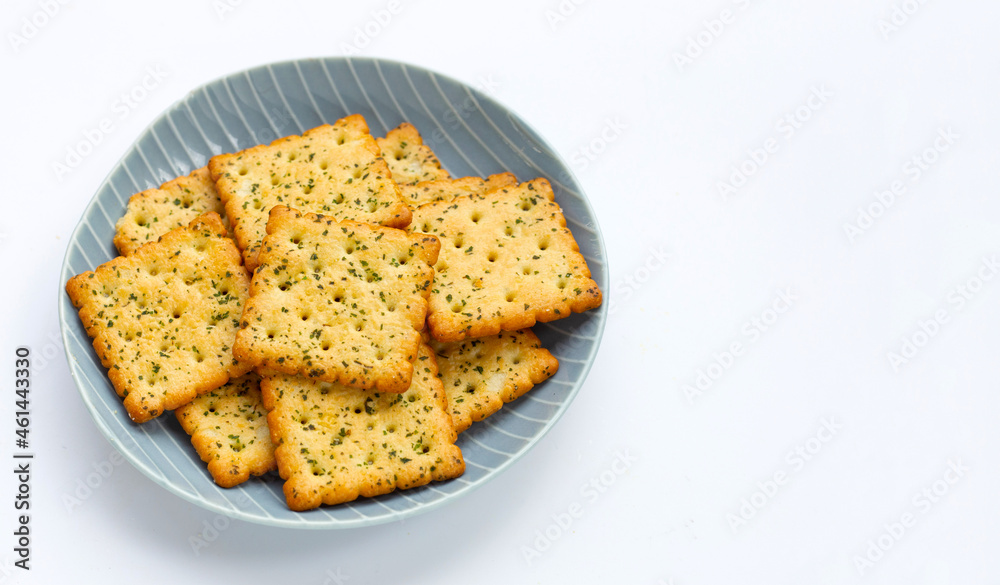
(66, 308)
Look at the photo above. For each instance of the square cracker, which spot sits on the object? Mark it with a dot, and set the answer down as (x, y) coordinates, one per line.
(334, 443)
(410, 160)
(154, 212)
(335, 170)
(228, 428)
(480, 375)
(164, 319)
(448, 189)
(507, 260)
(339, 301)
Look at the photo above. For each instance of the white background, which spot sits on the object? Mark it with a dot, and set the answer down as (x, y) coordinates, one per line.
(651, 136)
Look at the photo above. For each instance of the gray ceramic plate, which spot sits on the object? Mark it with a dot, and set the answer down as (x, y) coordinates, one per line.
(471, 134)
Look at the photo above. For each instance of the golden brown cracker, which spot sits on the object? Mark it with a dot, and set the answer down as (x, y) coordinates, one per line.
(338, 301)
(410, 160)
(335, 443)
(507, 260)
(154, 212)
(480, 375)
(164, 319)
(448, 189)
(334, 169)
(228, 428)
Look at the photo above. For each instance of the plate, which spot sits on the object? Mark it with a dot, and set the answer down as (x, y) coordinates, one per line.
(472, 135)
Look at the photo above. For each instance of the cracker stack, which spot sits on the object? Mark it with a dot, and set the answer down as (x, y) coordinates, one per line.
(338, 301)
(352, 395)
(334, 169)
